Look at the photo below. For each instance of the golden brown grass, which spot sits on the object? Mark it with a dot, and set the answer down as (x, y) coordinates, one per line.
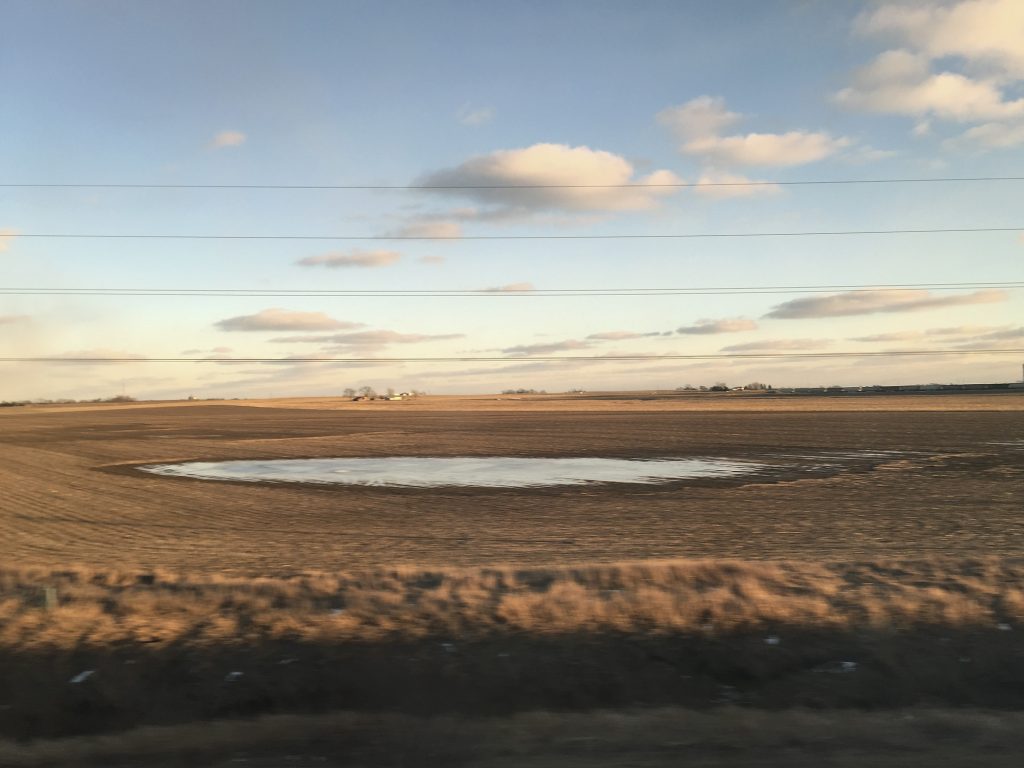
(104, 608)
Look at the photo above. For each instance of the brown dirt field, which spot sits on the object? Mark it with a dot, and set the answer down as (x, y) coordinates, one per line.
(952, 484)
(486, 627)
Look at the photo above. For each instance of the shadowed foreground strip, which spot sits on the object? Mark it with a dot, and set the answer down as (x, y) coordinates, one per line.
(646, 739)
(125, 649)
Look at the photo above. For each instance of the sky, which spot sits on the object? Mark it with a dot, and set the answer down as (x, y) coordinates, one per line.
(477, 97)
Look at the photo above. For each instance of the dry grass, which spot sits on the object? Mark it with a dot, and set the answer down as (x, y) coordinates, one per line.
(107, 608)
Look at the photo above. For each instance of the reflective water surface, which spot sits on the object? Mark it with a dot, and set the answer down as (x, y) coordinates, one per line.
(486, 471)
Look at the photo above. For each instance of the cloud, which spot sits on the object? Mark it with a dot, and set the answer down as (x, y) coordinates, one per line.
(100, 353)
(559, 176)
(510, 288)
(432, 260)
(698, 125)
(894, 336)
(524, 350)
(767, 149)
(702, 116)
(778, 344)
(725, 325)
(13, 319)
(872, 302)
(228, 139)
(213, 351)
(355, 258)
(378, 338)
(720, 186)
(987, 33)
(277, 319)
(429, 227)
(899, 82)
(469, 115)
(965, 330)
(6, 236)
(620, 335)
(980, 38)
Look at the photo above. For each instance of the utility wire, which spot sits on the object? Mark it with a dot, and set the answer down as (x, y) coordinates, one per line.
(416, 187)
(520, 359)
(489, 292)
(680, 236)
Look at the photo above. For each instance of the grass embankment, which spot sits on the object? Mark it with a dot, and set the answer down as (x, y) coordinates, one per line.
(166, 648)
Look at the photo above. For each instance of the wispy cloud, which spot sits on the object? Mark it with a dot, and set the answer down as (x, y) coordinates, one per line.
(228, 139)
(470, 115)
(510, 288)
(720, 186)
(430, 227)
(377, 338)
(354, 258)
(278, 319)
(525, 350)
(781, 345)
(873, 302)
(698, 125)
(13, 319)
(621, 335)
(6, 237)
(431, 260)
(706, 326)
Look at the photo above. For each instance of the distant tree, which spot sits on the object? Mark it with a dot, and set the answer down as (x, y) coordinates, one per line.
(367, 392)
(757, 385)
(391, 392)
(719, 386)
(703, 388)
(348, 392)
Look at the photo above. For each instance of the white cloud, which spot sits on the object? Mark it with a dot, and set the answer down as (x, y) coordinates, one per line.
(698, 125)
(228, 139)
(894, 336)
(872, 302)
(699, 117)
(355, 258)
(470, 115)
(957, 61)
(706, 326)
(6, 236)
(899, 82)
(769, 345)
(987, 33)
(278, 319)
(432, 260)
(719, 186)
(767, 149)
(552, 176)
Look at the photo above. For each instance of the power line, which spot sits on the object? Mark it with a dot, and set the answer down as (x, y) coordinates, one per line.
(527, 359)
(678, 236)
(489, 292)
(428, 187)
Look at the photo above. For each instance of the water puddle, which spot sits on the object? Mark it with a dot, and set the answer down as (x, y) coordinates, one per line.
(486, 472)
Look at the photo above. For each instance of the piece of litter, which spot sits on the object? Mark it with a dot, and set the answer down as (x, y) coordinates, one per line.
(337, 611)
(837, 667)
(504, 655)
(285, 662)
(233, 676)
(1003, 627)
(449, 647)
(81, 677)
(772, 640)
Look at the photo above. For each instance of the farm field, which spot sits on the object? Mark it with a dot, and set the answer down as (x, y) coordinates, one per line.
(870, 571)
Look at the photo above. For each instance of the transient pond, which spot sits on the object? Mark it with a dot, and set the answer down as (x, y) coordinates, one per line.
(466, 471)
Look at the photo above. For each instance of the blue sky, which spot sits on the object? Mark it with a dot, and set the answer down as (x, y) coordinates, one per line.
(395, 93)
